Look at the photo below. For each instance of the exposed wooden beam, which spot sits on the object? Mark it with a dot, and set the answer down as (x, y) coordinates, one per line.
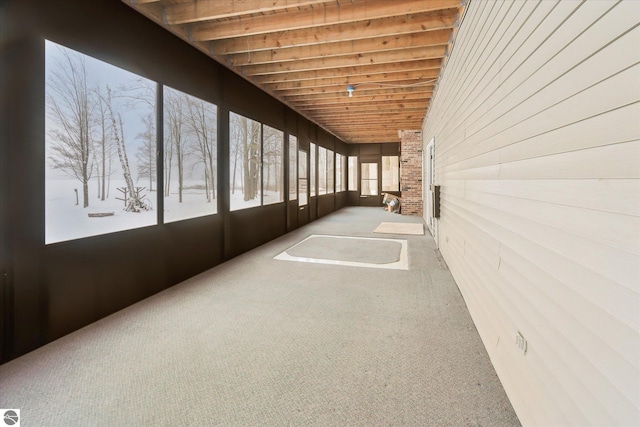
(358, 108)
(360, 138)
(341, 98)
(363, 122)
(387, 133)
(361, 46)
(380, 129)
(429, 52)
(364, 102)
(378, 118)
(388, 26)
(377, 80)
(366, 138)
(372, 110)
(207, 10)
(331, 91)
(330, 14)
(293, 96)
(425, 64)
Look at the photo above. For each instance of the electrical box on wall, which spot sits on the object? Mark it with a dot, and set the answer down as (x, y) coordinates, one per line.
(521, 342)
(435, 205)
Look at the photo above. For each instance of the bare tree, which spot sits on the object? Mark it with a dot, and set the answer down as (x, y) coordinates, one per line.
(235, 148)
(103, 144)
(70, 105)
(174, 134)
(202, 122)
(273, 141)
(146, 154)
(134, 202)
(251, 161)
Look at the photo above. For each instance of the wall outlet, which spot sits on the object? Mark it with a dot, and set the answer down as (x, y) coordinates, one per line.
(521, 342)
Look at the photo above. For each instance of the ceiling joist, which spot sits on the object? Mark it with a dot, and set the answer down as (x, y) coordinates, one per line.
(210, 10)
(396, 67)
(395, 25)
(415, 53)
(307, 53)
(378, 44)
(333, 13)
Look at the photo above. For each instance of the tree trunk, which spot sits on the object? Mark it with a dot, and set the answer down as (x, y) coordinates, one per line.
(134, 204)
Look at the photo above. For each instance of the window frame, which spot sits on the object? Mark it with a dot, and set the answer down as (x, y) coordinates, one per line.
(363, 179)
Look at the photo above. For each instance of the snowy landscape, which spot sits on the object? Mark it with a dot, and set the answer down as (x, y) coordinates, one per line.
(101, 149)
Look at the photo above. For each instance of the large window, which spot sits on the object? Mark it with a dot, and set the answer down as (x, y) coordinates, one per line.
(341, 176)
(312, 169)
(325, 170)
(339, 173)
(369, 179)
(353, 173)
(303, 180)
(256, 166)
(322, 170)
(293, 167)
(190, 161)
(390, 173)
(330, 171)
(245, 154)
(272, 165)
(343, 173)
(100, 146)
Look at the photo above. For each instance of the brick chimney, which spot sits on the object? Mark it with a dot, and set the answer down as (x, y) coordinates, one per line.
(411, 171)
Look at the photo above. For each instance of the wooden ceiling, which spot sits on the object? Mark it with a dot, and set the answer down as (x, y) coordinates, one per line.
(308, 52)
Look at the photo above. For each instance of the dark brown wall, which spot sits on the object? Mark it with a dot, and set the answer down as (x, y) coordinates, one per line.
(49, 291)
(371, 153)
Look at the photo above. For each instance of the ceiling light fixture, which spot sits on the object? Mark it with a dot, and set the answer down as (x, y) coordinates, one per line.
(350, 90)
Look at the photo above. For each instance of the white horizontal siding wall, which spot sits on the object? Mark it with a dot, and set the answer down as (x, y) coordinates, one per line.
(536, 122)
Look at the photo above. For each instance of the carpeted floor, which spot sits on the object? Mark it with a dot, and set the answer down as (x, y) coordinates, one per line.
(259, 341)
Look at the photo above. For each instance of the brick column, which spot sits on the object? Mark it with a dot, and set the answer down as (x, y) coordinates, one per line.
(411, 172)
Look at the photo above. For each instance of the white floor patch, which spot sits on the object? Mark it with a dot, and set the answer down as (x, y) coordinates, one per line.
(400, 228)
(401, 262)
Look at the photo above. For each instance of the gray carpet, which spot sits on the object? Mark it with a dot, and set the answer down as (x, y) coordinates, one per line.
(276, 344)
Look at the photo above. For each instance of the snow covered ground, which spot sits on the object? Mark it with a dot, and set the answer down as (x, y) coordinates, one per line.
(66, 220)
(238, 202)
(194, 203)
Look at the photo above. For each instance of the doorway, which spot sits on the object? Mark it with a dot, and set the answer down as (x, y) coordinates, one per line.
(429, 162)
